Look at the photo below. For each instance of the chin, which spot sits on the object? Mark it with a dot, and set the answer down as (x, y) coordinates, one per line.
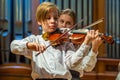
(52, 30)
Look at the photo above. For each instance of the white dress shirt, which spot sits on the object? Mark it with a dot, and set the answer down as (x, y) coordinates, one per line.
(55, 62)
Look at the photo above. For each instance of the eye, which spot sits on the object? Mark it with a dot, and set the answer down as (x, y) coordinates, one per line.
(68, 23)
(47, 17)
(61, 21)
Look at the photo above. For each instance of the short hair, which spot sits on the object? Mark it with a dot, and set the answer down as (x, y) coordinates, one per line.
(43, 9)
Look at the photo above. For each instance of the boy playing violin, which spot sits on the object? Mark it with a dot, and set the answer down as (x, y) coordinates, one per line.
(53, 63)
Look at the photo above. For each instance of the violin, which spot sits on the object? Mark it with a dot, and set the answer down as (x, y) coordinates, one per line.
(77, 37)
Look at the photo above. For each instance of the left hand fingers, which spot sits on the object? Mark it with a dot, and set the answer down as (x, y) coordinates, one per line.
(93, 34)
(97, 33)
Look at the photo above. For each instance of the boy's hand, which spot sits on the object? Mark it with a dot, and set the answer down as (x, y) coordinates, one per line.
(91, 35)
(36, 47)
(96, 42)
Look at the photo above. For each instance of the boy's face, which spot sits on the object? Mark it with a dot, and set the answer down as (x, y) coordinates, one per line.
(51, 21)
(65, 21)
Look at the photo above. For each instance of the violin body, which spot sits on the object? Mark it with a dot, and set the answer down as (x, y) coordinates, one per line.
(77, 38)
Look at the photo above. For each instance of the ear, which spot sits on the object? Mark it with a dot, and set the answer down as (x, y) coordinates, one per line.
(39, 23)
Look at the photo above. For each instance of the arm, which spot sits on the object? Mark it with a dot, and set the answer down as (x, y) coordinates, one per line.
(19, 47)
(78, 56)
(74, 58)
(90, 60)
(87, 63)
(25, 46)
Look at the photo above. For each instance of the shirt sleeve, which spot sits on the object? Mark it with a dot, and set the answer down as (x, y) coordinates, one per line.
(75, 57)
(81, 60)
(19, 47)
(87, 63)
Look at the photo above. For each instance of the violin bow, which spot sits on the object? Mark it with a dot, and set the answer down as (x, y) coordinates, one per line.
(94, 23)
(89, 26)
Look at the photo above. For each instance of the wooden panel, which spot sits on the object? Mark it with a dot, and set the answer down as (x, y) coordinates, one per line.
(99, 12)
(7, 77)
(109, 72)
(14, 71)
(89, 76)
(35, 29)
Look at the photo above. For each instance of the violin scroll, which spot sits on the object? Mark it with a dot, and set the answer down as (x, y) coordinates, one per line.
(108, 39)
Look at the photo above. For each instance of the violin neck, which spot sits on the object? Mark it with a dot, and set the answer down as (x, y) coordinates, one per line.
(80, 31)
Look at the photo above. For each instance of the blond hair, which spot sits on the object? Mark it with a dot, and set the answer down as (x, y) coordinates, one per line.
(43, 9)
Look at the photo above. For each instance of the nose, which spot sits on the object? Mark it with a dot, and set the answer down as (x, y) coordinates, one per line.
(64, 25)
(53, 20)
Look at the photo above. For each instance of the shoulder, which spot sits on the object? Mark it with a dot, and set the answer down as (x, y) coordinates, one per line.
(32, 37)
